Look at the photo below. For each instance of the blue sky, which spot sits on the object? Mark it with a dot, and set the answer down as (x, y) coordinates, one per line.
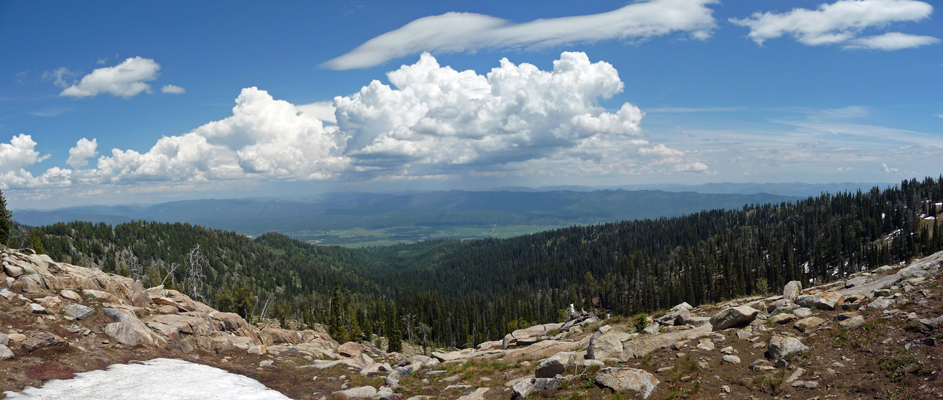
(118, 102)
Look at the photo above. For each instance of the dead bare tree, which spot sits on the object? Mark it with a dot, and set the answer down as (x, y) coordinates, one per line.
(195, 277)
(127, 258)
(170, 274)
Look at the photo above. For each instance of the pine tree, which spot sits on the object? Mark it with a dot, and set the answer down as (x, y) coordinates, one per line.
(5, 218)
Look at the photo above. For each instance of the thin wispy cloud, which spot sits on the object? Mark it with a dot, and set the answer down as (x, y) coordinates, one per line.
(468, 32)
(842, 23)
(693, 109)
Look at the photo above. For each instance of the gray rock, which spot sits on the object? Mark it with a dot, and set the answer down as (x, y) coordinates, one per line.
(525, 387)
(852, 322)
(7, 294)
(628, 379)
(780, 304)
(809, 324)
(682, 316)
(758, 305)
(932, 323)
(706, 345)
(792, 290)
(821, 301)
(781, 346)
(38, 340)
(607, 345)
(652, 328)
(478, 394)
(5, 352)
(70, 295)
(385, 393)
(124, 333)
(881, 303)
(732, 317)
(802, 312)
(731, 359)
(362, 392)
(4, 339)
(783, 319)
(921, 342)
(36, 308)
(549, 368)
(78, 311)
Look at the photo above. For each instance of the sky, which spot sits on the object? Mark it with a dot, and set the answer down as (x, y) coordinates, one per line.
(113, 102)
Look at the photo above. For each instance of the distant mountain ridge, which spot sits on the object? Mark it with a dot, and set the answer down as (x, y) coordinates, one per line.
(370, 211)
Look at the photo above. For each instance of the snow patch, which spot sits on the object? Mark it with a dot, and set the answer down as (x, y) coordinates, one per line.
(157, 379)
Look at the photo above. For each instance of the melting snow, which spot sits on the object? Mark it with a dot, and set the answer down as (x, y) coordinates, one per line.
(158, 379)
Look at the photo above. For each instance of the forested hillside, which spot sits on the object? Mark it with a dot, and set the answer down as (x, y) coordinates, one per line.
(460, 293)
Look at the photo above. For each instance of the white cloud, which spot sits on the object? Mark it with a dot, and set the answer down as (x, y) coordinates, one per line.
(940, 115)
(437, 118)
(891, 41)
(19, 154)
(322, 110)
(123, 80)
(263, 138)
(841, 23)
(172, 89)
(691, 167)
(84, 148)
(59, 77)
(661, 150)
(888, 170)
(460, 32)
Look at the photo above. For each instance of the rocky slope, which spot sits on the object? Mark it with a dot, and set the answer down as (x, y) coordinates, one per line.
(873, 335)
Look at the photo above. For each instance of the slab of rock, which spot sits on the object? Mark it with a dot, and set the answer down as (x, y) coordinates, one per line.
(808, 324)
(682, 316)
(5, 352)
(791, 290)
(861, 280)
(549, 368)
(821, 301)
(36, 308)
(37, 340)
(70, 295)
(78, 311)
(525, 387)
(732, 317)
(706, 345)
(852, 322)
(881, 303)
(362, 392)
(7, 294)
(607, 345)
(628, 380)
(478, 394)
(124, 333)
(780, 304)
(869, 288)
(731, 359)
(783, 319)
(4, 339)
(802, 312)
(640, 346)
(781, 346)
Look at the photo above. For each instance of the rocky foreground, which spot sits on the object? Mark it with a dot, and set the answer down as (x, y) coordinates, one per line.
(873, 335)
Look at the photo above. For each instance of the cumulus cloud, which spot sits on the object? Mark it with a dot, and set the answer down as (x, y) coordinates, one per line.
(430, 122)
(841, 23)
(172, 89)
(263, 138)
(436, 117)
(84, 148)
(19, 154)
(322, 110)
(123, 80)
(891, 41)
(888, 170)
(460, 32)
